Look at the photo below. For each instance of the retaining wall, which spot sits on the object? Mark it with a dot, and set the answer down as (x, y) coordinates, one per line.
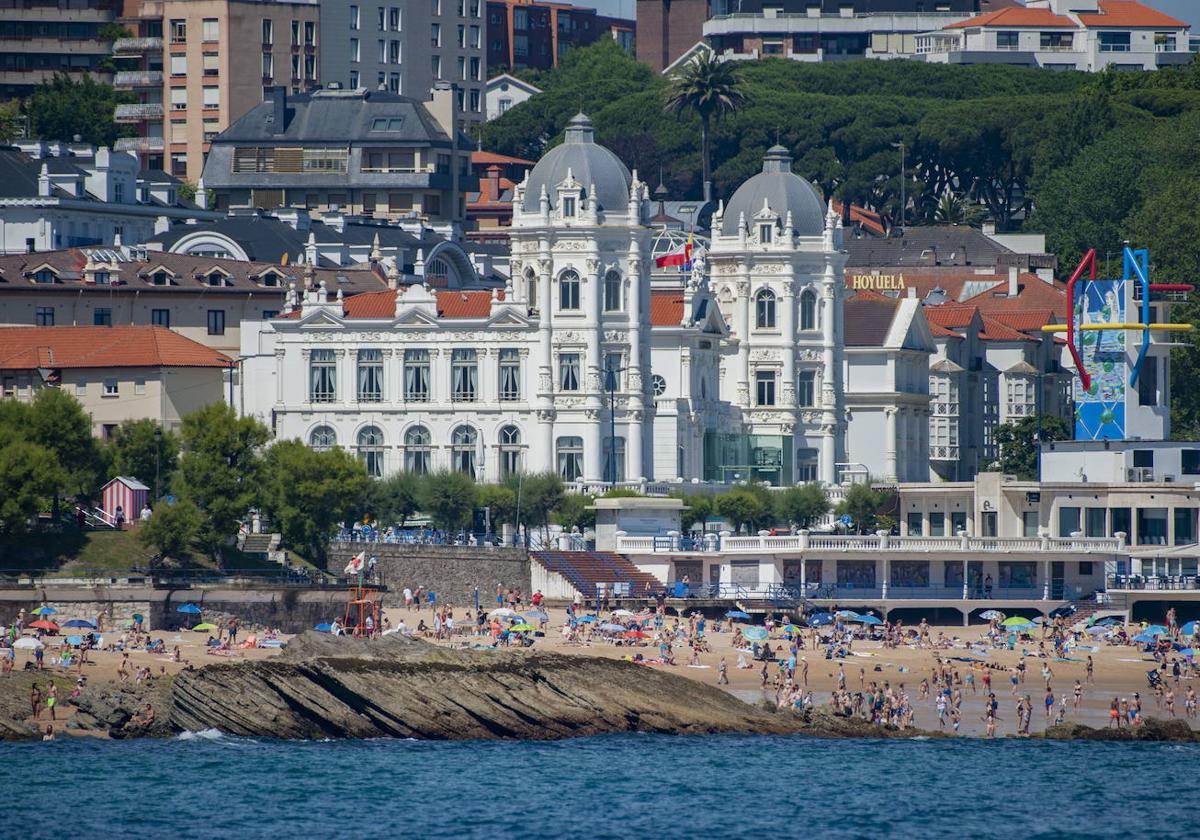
(452, 572)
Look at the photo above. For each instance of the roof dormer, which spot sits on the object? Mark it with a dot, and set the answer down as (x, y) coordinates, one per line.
(160, 275)
(569, 197)
(216, 276)
(44, 273)
(271, 278)
(765, 228)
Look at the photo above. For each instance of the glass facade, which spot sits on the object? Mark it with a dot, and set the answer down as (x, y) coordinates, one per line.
(737, 457)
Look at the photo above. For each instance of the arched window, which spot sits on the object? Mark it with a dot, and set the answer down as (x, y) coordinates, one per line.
(437, 272)
(764, 307)
(531, 285)
(570, 458)
(612, 291)
(808, 310)
(370, 450)
(510, 451)
(322, 438)
(568, 290)
(417, 450)
(462, 450)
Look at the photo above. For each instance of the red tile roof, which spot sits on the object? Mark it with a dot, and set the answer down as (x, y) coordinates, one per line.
(475, 303)
(1025, 320)
(1130, 13)
(949, 315)
(1016, 16)
(869, 219)
(27, 348)
(482, 158)
(994, 330)
(666, 309)
(868, 319)
(939, 331)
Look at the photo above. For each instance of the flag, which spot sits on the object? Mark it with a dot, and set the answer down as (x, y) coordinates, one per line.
(284, 259)
(683, 258)
(355, 566)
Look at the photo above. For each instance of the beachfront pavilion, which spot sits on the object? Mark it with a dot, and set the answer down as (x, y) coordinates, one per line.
(882, 572)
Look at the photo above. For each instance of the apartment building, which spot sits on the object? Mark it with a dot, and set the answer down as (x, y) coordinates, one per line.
(39, 39)
(1085, 35)
(198, 65)
(406, 48)
(530, 33)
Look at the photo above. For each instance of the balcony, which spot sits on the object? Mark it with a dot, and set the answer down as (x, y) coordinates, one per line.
(943, 453)
(130, 47)
(138, 113)
(944, 408)
(130, 79)
(139, 144)
(1019, 409)
(804, 542)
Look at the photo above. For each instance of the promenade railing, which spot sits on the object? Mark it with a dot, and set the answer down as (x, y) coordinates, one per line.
(803, 541)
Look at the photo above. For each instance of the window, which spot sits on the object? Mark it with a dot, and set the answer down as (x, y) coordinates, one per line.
(1148, 382)
(416, 376)
(476, 72)
(1086, 568)
(473, 37)
(160, 317)
(1093, 522)
(1114, 41)
(510, 451)
(764, 309)
(568, 372)
(462, 450)
(1185, 526)
(370, 450)
(437, 66)
(310, 67)
(268, 65)
(102, 317)
(394, 18)
(178, 30)
(958, 521)
(568, 290)
(80, 389)
(1029, 522)
(310, 33)
(568, 207)
(1152, 526)
(764, 381)
(212, 97)
(394, 82)
(612, 291)
(355, 50)
(322, 376)
(394, 51)
(354, 18)
(216, 322)
(806, 465)
(913, 520)
(1057, 40)
(764, 232)
(178, 99)
(111, 388)
(354, 79)
(435, 38)
(295, 33)
(44, 275)
(268, 32)
(210, 29)
(614, 458)
(808, 310)
(464, 376)
(179, 65)
(570, 458)
(44, 317)
(370, 375)
(216, 278)
(382, 19)
(1068, 521)
(417, 450)
(806, 388)
(1190, 461)
(510, 374)
(1122, 522)
(322, 439)
(937, 524)
(462, 36)
(1008, 40)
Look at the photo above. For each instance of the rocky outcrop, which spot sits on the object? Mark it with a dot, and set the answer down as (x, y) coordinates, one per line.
(1153, 729)
(343, 688)
(110, 709)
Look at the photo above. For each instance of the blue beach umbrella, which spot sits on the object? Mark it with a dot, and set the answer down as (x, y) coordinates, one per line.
(1145, 638)
(45, 611)
(1156, 630)
(869, 619)
(80, 622)
(738, 615)
(1188, 629)
(75, 640)
(537, 615)
(323, 628)
(1188, 652)
(613, 628)
(191, 609)
(820, 619)
(755, 634)
(587, 619)
(849, 615)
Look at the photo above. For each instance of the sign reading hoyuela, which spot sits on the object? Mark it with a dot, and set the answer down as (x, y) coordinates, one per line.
(877, 282)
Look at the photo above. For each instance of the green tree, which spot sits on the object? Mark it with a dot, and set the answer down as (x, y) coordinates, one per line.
(540, 494)
(742, 507)
(709, 88)
(29, 476)
(146, 451)
(802, 505)
(862, 504)
(308, 493)
(393, 500)
(219, 470)
(501, 502)
(448, 498)
(11, 124)
(59, 423)
(1018, 442)
(573, 512)
(172, 528)
(696, 509)
(63, 108)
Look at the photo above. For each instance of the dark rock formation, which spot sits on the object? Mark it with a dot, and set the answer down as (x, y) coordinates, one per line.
(1153, 729)
(110, 708)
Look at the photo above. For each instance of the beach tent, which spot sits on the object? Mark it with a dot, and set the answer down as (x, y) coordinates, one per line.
(124, 492)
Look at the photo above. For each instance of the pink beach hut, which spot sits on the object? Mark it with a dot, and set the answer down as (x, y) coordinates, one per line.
(123, 499)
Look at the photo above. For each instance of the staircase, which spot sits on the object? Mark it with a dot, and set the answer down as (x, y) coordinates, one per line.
(96, 518)
(264, 544)
(585, 569)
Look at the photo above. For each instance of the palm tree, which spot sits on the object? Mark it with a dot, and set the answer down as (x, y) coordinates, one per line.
(707, 87)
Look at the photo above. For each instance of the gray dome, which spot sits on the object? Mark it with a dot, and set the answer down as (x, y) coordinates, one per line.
(783, 190)
(590, 164)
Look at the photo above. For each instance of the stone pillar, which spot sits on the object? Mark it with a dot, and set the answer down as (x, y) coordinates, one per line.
(744, 385)
(787, 327)
(831, 420)
(1046, 579)
(887, 573)
(545, 371)
(889, 445)
(966, 585)
(639, 332)
(594, 464)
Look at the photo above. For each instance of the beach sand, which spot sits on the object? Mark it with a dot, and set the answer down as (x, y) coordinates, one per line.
(1119, 671)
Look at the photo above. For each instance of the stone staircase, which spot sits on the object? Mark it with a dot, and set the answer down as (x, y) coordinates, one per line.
(264, 544)
(584, 570)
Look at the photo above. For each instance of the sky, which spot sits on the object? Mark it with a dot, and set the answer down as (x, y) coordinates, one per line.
(1188, 10)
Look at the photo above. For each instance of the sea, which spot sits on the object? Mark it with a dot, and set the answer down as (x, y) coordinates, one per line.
(210, 786)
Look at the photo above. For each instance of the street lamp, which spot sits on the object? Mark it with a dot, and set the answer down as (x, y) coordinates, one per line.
(610, 384)
(903, 204)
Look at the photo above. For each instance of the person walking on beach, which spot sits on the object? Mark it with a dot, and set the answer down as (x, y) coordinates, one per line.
(722, 673)
(51, 698)
(35, 700)
(1114, 714)
(765, 676)
(1091, 668)
(1078, 694)
(1049, 702)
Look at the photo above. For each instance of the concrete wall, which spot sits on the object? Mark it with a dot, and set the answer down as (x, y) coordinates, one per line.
(452, 572)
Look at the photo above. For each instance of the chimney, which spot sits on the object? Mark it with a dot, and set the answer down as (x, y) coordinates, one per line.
(493, 179)
(443, 107)
(1013, 275)
(44, 182)
(277, 113)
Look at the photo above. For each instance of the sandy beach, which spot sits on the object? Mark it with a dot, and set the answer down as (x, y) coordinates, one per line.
(1119, 671)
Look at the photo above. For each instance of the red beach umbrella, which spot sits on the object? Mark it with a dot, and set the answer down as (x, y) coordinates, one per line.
(45, 625)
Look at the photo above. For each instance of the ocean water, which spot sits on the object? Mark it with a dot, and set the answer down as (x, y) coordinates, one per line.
(620, 786)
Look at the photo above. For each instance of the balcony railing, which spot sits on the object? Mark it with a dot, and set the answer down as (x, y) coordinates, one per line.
(1019, 409)
(137, 46)
(137, 79)
(943, 453)
(942, 408)
(138, 112)
(1154, 582)
(808, 542)
(139, 144)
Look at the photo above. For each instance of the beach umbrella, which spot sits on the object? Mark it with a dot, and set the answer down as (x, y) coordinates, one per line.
(1099, 630)
(1145, 638)
(522, 628)
(1188, 651)
(205, 626)
(191, 609)
(1109, 621)
(622, 612)
(790, 628)
(1155, 630)
(1015, 621)
(537, 615)
(755, 634)
(988, 615)
(323, 628)
(75, 640)
(820, 619)
(79, 622)
(612, 628)
(587, 619)
(849, 615)
(503, 612)
(27, 643)
(1188, 629)
(738, 615)
(44, 625)
(45, 611)
(870, 619)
